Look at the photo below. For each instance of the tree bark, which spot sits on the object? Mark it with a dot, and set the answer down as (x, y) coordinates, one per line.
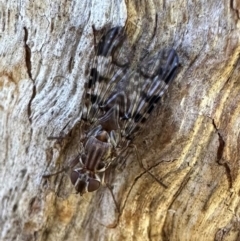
(190, 143)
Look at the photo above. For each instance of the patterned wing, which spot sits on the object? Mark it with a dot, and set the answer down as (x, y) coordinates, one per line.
(104, 74)
(153, 78)
(119, 98)
(137, 93)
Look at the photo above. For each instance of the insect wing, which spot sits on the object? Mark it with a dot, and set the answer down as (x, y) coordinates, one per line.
(104, 74)
(150, 82)
(121, 95)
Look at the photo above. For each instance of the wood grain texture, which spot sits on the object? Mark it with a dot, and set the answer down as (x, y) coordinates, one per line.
(191, 142)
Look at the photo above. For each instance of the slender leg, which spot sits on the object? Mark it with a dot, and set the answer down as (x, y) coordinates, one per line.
(105, 180)
(55, 173)
(72, 164)
(61, 135)
(146, 170)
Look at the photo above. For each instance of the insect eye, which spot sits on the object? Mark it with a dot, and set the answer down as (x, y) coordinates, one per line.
(81, 184)
(101, 165)
(93, 185)
(74, 177)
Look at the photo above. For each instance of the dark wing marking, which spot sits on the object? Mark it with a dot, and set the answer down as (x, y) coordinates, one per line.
(137, 92)
(119, 98)
(104, 74)
(152, 80)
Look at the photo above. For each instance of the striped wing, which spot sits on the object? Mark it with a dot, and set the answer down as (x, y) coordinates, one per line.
(120, 98)
(104, 74)
(153, 78)
(138, 92)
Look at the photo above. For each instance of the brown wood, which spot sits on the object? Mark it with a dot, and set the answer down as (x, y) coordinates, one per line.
(191, 142)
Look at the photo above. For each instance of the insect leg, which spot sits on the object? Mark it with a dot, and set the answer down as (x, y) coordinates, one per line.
(145, 169)
(73, 163)
(55, 173)
(105, 180)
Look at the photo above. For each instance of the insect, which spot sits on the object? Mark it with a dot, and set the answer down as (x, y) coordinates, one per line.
(117, 101)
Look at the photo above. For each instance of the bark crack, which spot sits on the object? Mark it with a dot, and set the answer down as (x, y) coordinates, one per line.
(220, 151)
(28, 54)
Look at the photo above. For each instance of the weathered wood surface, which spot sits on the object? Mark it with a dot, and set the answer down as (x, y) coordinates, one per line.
(191, 143)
